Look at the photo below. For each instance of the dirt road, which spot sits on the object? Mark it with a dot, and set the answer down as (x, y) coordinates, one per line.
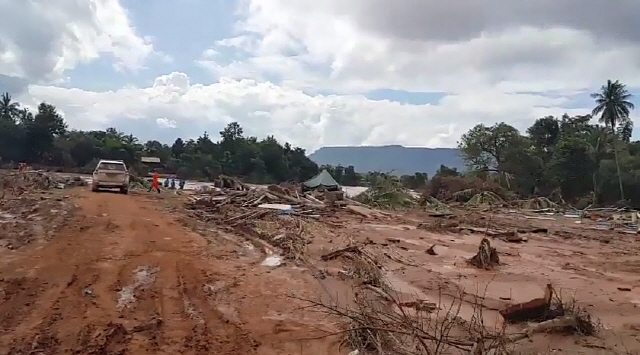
(124, 277)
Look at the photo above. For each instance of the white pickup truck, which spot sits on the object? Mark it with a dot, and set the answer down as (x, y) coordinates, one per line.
(111, 174)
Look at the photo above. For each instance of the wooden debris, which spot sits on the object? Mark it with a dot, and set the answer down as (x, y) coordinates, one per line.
(512, 236)
(337, 253)
(487, 256)
(236, 196)
(228, 182)
(420, 305)
(536, 309)
(431, 250)
(556, 324)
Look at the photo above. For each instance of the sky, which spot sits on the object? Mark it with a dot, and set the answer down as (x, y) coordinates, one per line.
(316, 73)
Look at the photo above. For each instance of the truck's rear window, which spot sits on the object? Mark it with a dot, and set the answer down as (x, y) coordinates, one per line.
(111, 166)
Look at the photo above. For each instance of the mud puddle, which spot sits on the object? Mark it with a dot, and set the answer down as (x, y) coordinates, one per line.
(143, 277)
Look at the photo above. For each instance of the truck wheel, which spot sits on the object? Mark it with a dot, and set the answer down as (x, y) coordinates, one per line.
(94, 188)
(124, 190)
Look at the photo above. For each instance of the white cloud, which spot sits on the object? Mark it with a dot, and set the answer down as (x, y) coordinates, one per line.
(40, 40)
(290, 115)
(427, 45)
(485, 56)
(166, 123)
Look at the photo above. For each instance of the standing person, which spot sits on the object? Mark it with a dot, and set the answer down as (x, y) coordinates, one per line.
(154, 183)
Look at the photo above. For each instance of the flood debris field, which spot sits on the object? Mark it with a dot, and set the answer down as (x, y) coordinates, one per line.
(240, 270)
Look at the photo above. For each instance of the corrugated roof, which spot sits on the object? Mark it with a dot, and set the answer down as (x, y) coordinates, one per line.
(150, 159)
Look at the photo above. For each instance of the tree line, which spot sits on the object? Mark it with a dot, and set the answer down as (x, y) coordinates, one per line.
(42, 138)
(569, 158)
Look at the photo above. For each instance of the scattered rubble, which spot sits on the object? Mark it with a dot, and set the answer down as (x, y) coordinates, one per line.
(18, 183)
(276, 215)
(387, 193)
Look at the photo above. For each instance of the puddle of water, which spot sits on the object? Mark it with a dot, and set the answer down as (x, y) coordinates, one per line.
(143, 276)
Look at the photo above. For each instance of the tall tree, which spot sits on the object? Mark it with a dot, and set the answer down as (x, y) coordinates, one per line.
(613, 107)
(8, 109)
(177, 148)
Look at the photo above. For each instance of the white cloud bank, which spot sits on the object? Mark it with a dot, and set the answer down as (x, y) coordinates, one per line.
(493, 60)
(309, 121)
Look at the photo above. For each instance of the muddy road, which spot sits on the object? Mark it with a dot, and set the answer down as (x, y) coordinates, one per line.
(124, 277)
(105, 273)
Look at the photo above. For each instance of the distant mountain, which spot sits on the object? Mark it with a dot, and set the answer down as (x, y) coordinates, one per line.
(402, 160)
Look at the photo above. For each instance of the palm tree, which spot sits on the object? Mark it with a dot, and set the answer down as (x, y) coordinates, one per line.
(613, 107)
(8, 109)
(597, 141)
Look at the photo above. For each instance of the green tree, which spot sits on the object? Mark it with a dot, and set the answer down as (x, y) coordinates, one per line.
(613, 107)
(177, 148)
(8, 109)
(572, 166)
(486, 148)
(544, 134)
(40, 134)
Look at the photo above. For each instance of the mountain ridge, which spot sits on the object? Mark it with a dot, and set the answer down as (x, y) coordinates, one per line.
(394, 158)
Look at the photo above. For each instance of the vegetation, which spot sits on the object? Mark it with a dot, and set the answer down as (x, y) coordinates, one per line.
(43, 139)
(582, 160)
(564, 158)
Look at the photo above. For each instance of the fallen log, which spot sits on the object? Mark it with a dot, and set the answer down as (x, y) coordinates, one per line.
(535, 310)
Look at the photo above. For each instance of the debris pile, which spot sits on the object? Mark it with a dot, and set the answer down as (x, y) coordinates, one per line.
(538, 203)
(551, 313)
(136, 182)
(276, 215)
(363, 265)
(228, 182)
(233, 206)
(30, 217)
(282, 232)
(18, 183)
(387, 193)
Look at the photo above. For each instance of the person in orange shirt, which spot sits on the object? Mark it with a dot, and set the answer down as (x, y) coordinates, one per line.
(154, 183)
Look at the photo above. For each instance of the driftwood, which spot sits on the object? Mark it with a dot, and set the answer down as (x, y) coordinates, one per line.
(536, 309)
(512, 236)
(337, 253)
(556, 324)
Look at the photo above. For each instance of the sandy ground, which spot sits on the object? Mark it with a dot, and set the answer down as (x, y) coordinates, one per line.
(123, 276)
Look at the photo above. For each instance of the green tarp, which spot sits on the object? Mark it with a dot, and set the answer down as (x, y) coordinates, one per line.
(323, 179)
